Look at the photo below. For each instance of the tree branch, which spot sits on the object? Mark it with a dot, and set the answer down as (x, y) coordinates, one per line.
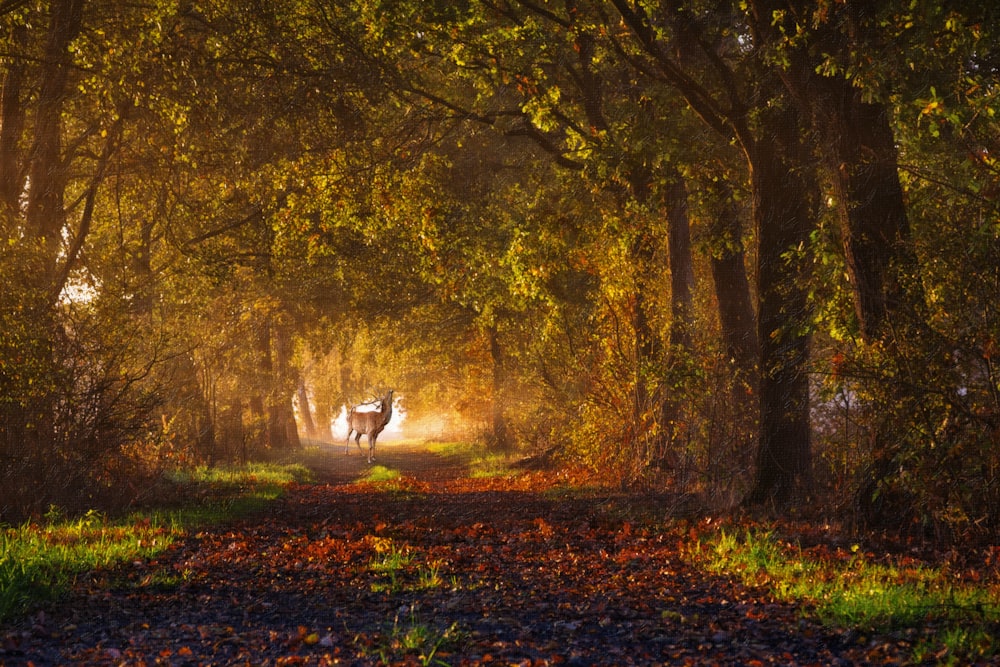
(86, 217)
(697, 97)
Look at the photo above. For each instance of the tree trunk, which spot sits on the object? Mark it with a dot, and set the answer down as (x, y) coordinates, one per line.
(501, 430)
(874, 226)
(681, 264)
(732, 289)
(27, 424)
(282, 432)
(784, 193)
(47, 172)
(263, 426)
(877, 246)
(12, 115)
(305, 409)
(859, 150)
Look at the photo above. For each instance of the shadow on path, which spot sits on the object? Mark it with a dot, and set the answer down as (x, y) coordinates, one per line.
(431, 569)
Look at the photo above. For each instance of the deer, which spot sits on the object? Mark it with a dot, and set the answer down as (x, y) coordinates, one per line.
(370, 423)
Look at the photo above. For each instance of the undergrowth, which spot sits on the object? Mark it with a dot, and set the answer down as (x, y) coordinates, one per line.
(481, 461)
(39, 561)
(944, 619)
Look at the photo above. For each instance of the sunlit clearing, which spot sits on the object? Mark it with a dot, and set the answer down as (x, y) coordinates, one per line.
(393, 430)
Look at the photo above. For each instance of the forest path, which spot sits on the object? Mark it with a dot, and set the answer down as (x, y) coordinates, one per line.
(430, 568)
(330, 463)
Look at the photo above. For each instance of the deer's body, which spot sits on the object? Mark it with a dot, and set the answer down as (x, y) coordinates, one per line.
(369, 423)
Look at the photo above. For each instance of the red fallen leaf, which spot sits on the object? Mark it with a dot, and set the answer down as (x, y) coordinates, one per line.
(544, 527)
(505, 592)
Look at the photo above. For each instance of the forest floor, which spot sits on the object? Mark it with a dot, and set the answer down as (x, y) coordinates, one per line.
(431, 567)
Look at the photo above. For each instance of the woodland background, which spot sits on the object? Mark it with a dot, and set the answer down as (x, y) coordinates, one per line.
(744, 250)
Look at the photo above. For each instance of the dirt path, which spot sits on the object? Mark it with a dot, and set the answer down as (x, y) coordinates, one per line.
(434, 568)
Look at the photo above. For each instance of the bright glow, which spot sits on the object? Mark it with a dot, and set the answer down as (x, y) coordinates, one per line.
(393, 430)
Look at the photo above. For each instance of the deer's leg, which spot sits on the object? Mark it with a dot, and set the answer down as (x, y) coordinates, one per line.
(357, 440)
(371, 447)
(347, 443)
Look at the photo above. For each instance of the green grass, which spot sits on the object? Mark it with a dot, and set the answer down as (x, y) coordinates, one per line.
(481, 462)
(411, 637)
(399, 569)
(254, 476)
(946, 620)
(40, 561)
(378, 473)
(37, 563)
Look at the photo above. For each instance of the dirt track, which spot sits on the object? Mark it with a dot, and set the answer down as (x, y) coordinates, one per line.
(433, 568)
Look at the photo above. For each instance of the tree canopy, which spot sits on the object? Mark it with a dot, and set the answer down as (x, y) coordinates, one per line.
(742, 250)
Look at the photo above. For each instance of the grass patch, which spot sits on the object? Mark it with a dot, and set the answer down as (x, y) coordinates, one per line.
(40, 561)
(480, 461)
(409, 638)
(242, 476)
(945, 619)
(399, 570)
(378, 473)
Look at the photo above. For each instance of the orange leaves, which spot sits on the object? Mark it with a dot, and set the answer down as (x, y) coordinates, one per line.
(455, 570)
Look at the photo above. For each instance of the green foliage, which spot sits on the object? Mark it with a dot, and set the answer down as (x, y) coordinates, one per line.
(476, 457)
(399, 570)
(379, 473)
(39, 562)
(414, 638)
(468, 202)
(954, 618)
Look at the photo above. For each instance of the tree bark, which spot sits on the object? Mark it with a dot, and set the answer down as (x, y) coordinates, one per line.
(732, 289)
(28, 426)
(501, 430)
(782, 186)
(859, 151)
(874, 226)
(282, 430)
(784, 192)
(47, 171)
(681, 263)
(12, 115)
(305, 409)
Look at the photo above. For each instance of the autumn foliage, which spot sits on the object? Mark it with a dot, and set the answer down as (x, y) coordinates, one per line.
(434, 567)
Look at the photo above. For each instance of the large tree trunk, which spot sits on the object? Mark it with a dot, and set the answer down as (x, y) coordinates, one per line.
(784, 193)
(782, 187)
(48, 170)
(859, 150)
(874, 226)
(12, 115)
(878, 252)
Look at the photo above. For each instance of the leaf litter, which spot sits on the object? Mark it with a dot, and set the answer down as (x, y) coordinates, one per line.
(431, 568)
